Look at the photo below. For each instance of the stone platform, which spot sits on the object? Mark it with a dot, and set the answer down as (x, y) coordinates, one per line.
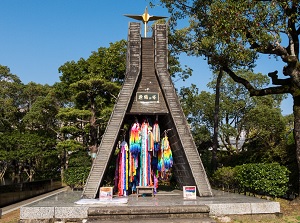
(62, 207)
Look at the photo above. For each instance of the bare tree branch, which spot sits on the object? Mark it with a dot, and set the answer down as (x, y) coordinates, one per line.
(276, 81)
(257, 92)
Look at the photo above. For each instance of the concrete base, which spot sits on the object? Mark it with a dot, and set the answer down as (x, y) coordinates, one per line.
(224, 203)
(128, 213)
(62, 207)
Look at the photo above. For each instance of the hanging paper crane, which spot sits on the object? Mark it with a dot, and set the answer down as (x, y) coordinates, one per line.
(135, 138)
(156, 136)
(145, 18)
(168, 158)
(145, 157)
(135, 149)
(123, 169)
(165, 158)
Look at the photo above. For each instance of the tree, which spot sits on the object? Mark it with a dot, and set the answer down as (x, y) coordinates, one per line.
(215, 144)
(24, 152)
(88, 90)
(10, 113)
(257, 119)
(40, 130)
(10, 100)
(41, 115)
(236, 105)
(32, 91)
(26, 121)
(232, 34)
(93, 86)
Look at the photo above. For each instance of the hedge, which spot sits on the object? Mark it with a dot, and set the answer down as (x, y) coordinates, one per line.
(269, 179)
(76, 177)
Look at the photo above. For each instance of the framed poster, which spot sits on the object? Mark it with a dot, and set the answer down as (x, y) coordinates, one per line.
(189, 192)
(106, 193)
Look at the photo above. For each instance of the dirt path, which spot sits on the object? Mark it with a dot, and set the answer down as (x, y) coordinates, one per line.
(11, 217)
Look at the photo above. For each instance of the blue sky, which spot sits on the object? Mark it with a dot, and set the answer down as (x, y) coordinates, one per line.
(37, 37)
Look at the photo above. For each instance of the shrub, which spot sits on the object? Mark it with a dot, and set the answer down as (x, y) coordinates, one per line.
(266, 179)
(79, 167)
(224, 177)
(76, 177)
(269, 179)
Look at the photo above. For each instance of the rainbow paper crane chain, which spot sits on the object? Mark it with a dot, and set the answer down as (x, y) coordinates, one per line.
(156, 132)
(123, 169)
(167, 153)
(149, 157)
(145, 156)
(135, 139)
(156, 137)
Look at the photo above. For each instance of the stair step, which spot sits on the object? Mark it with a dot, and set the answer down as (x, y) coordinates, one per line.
(192, 213)
(158, 220)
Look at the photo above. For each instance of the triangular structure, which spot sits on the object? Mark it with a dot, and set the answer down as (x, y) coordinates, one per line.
(147, 73)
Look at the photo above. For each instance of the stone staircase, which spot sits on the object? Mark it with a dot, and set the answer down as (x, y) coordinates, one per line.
(176, 112)
(147, 214)
(109, 138)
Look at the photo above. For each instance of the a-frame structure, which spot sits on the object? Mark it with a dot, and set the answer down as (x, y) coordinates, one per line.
(147, 76)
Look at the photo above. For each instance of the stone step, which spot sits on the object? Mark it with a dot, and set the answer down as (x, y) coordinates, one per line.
(158, 220)
(130, 213)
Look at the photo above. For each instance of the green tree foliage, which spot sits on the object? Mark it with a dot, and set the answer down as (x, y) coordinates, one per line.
(78, 171)
(26, 127)
(10, 100)
(24, 153)
(225, 177)
(237, 107)
(255, 120)
(32, 91)
(238, 111)
(269, 179)
(198, 108)
(87, 92)
(89, 89)
(41, 115)
(64, 149)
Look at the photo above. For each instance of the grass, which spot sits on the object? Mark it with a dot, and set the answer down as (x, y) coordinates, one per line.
(11, 217)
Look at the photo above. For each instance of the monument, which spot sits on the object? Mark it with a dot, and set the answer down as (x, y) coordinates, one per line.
(148, 97)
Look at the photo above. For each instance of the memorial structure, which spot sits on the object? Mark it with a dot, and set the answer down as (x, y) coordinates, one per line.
(147, 110)
(147, 124)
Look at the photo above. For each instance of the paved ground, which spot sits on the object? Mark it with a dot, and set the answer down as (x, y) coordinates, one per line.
(63, 201)
(66, 198)
(222, 203)
(16, 206)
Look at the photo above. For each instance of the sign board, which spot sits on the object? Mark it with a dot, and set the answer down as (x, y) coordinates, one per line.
(106, 193)
(147, 97)
(189, 192)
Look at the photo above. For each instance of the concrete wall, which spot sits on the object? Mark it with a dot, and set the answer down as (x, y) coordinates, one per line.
(10, 194)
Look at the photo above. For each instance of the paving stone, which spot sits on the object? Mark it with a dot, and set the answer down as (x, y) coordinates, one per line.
(62, 205)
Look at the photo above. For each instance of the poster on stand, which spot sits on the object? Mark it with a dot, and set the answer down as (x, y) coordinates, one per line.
(189, 192)
(106, 193)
